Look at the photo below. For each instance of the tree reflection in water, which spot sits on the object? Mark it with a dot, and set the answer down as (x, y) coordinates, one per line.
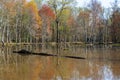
(97, 66)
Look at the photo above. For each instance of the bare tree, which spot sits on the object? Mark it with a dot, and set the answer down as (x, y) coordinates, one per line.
(95, 17)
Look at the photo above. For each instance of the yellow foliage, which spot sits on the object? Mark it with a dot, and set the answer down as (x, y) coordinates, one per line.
(32, 6)
(65, 14)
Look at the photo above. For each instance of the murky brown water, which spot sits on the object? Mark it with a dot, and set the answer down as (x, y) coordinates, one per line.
(100, 64)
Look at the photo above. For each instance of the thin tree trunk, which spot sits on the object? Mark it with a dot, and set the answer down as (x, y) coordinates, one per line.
(16, 30)
(3, 33)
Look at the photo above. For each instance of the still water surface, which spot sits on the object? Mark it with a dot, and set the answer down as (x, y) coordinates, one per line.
(101, 63)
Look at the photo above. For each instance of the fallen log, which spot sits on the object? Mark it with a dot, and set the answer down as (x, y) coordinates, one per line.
(25, 52)
(74, 57)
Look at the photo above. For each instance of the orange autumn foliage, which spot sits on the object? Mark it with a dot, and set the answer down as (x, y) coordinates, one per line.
(71, 21)
(47, 15)
(46, 11)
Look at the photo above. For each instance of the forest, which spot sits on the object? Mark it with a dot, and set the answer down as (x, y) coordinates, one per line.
(39, 21)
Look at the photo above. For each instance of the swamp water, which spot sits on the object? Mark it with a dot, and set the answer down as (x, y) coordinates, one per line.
(100, 64)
